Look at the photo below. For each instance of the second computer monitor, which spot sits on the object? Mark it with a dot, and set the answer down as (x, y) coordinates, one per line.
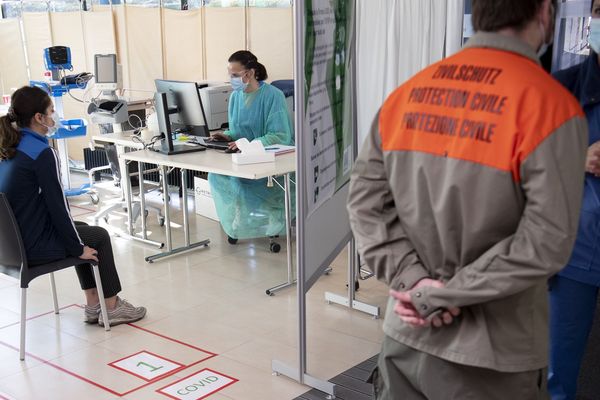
(186, 112)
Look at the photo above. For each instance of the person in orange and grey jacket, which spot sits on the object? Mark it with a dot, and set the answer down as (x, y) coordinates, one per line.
(465, 200)
(574, 291)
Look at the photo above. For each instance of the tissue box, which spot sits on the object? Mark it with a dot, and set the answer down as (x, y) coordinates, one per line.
(252, 158)
(205, 204)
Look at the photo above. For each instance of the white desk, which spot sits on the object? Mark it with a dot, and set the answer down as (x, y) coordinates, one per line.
(123, 139)
(220, 163)
(217, 162)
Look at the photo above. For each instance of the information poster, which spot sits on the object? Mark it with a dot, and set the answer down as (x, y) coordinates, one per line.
(329, 119)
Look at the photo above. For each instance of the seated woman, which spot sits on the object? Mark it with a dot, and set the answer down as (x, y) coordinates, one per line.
(30, 178)
(249, 208)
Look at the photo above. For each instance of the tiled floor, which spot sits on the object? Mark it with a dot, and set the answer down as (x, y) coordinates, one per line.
(211, 299)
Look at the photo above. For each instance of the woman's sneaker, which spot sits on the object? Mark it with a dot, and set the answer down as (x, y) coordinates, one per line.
(91, 313)
(123, 313)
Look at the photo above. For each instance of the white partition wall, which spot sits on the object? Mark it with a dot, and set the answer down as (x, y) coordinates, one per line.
(119, 14)
(184, 45)
(144, 44)
(183, 48)
(13, 70)
(150, 43)
(99, 35)
(270, 35)
(38, 36)
(225, 33)
(67, 30)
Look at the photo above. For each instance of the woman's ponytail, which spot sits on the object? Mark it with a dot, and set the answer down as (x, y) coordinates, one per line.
(26, 102)
(260, 71)
(9, 136)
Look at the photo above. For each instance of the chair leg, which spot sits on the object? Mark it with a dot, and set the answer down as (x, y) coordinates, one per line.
(54, 297)
(101, 297)
(23, 323)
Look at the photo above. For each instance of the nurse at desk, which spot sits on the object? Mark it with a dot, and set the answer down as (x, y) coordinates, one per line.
(249, 208)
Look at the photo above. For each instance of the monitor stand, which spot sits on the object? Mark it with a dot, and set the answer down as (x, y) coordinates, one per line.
(178, 148)
(191, 130)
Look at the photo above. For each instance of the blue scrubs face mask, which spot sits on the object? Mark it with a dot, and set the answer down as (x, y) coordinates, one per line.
(237, 83)
(594, 39)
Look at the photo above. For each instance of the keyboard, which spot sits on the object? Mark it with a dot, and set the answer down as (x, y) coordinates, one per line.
(213, 144)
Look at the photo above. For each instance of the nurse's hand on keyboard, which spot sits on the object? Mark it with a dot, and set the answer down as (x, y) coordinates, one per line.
(219, 136)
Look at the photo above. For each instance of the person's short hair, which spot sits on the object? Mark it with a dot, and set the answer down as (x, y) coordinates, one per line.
(494, 15)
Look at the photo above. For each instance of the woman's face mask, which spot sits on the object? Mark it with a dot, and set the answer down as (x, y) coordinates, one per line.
(56, 123)
(237, 82)
(594, 38)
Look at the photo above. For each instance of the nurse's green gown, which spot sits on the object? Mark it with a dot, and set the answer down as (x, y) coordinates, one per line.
(249, 208)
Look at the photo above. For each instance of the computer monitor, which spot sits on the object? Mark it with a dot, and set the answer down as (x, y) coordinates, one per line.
(106, 72)
(186, 111)
(164, 111)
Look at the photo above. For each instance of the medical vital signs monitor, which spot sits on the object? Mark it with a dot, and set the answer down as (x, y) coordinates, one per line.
(106, 72)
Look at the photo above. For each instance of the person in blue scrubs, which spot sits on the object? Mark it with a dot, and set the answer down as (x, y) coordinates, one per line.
(574, 291)
(257, 111)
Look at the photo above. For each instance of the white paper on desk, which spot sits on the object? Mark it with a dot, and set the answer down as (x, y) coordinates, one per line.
(251, 152)
(246, 147)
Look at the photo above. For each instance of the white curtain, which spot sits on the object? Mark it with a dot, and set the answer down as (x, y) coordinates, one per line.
(396, 39)
(105, 43)
(271, 38)
(120, 18)
(13, 70)
(145, 46)
(67, 30)
(454, 26)
(183, 58)
(224, 32)
(38, 36)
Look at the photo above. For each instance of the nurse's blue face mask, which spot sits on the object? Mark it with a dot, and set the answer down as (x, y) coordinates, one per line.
(237, 82)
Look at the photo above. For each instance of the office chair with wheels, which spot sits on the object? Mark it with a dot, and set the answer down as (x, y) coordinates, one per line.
(13, 262)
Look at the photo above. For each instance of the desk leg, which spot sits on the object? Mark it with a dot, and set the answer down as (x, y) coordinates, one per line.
(166, 196)
(288, 228)
(184, 202)
(186, 223)
(142, 200)
(126, 185)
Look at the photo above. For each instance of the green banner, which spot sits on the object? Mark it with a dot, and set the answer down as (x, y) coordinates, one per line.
(329, 120)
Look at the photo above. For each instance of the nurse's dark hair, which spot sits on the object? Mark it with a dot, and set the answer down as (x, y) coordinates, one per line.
(249, 61)
(494, 15)
(26, 102)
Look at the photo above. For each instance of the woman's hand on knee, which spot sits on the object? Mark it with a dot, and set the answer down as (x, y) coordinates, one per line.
(89, 254)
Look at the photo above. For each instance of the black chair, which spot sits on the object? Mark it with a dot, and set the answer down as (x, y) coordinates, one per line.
(13, 262)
